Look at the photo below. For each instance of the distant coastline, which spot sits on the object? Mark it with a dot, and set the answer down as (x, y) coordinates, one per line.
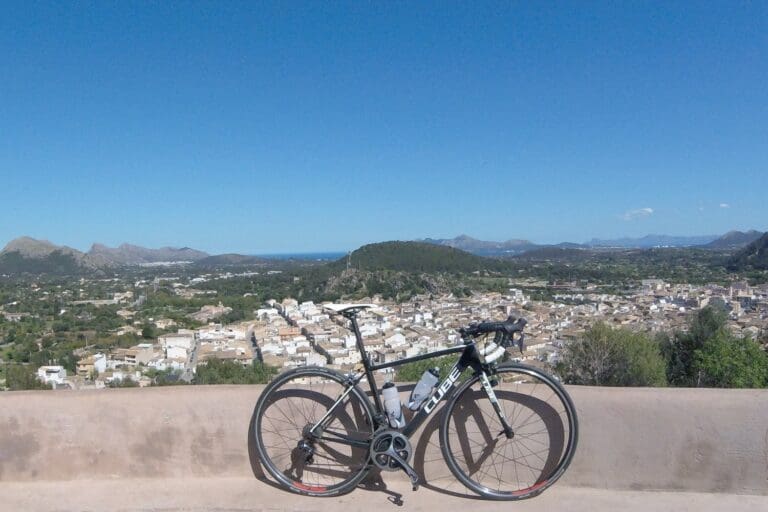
(307, 256)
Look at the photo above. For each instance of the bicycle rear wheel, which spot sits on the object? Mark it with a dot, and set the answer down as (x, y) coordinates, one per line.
(327, 461)
(545, 427)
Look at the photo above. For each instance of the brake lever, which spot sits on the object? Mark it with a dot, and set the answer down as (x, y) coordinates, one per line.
(521, 343)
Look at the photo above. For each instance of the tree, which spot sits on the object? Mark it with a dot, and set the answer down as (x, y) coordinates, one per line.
(605, 356)
(708, 355)
(127, 382)
(728, 362)
(167, 377)
(412, 372)
(18, 377)
(148, 331)
(217, 371)
(679, 350)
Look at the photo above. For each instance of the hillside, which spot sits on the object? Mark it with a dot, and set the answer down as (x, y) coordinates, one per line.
(734, 240)
(28, 247)
(28, 255)
(55, 262)
(415, 257)
(754, 256)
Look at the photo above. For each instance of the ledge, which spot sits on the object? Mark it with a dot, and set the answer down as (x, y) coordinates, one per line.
(688, 440)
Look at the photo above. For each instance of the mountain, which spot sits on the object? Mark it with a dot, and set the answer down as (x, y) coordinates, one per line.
(33, 248)
(414, 257)
(753, 256)
(127, 254)
(650, 241)
(482, 247)
(28, 255)
(734, 240)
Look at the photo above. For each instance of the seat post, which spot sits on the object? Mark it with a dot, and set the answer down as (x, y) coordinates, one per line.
(351, 315)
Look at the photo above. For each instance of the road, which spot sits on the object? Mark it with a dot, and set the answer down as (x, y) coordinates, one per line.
(188, 374)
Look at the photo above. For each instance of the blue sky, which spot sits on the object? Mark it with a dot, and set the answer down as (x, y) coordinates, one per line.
(258, 127)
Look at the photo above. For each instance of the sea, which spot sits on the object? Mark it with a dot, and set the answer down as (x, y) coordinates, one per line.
(306, 256)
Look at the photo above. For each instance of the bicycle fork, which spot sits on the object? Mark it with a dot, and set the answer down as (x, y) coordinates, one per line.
(488, 387)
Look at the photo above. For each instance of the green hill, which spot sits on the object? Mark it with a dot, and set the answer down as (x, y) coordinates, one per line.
(415, 257)
(55, 262)
(734, 240)
(754, 256)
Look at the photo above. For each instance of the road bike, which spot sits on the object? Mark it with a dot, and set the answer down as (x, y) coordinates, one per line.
(508, 431)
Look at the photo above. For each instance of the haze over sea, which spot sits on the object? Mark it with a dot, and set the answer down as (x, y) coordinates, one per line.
(314, 256)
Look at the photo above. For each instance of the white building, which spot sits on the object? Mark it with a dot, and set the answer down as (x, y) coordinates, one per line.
(53, 375)
(180, 340)
(173, 352)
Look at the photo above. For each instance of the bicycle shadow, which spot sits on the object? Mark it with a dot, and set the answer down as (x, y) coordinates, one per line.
(348, 419)
(253, 455)
(428, 458)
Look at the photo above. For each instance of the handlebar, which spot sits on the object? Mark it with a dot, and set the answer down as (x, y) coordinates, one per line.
(504, 331)
(508, 327)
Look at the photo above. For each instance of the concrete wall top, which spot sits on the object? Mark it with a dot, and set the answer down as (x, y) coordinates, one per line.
(631, 438)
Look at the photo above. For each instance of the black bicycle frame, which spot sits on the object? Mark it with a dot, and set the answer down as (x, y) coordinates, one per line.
(469, 358)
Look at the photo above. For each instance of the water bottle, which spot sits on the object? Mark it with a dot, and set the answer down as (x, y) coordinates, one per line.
(423, 388)
(392, 405)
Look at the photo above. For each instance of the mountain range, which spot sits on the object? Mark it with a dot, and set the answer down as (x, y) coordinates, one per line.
(483, 248)
(651, 241)
(127, 254)
(29, 255)
(729, 241)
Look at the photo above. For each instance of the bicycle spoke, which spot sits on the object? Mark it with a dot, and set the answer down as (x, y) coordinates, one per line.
(292, 411)
(481, 455)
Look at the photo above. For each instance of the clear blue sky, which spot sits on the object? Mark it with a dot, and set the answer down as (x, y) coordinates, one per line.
(258, 127)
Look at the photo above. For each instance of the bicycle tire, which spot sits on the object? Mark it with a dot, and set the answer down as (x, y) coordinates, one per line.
(281, 415)
(533, 459)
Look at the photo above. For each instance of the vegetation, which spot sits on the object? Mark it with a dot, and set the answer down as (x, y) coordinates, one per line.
(708, 355)
(416, 257)
(42, 321)
(56, 263)
(752, 257)
(605, 356)
(412, 372)
(124, 383)
(167, 377)
(19, 376)
(229, 372)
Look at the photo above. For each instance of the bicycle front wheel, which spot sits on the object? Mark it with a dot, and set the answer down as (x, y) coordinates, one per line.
(485, 459)
(313, 431)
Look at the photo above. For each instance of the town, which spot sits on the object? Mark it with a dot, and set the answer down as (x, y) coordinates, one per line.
(289, 333)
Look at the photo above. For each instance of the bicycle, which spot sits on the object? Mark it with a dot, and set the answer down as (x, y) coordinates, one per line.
(318, 434)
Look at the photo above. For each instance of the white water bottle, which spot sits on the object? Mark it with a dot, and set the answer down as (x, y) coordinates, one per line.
(392, 405)
(423, 388)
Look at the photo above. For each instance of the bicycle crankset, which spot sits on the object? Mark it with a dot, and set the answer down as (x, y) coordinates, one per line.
(390, 451)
